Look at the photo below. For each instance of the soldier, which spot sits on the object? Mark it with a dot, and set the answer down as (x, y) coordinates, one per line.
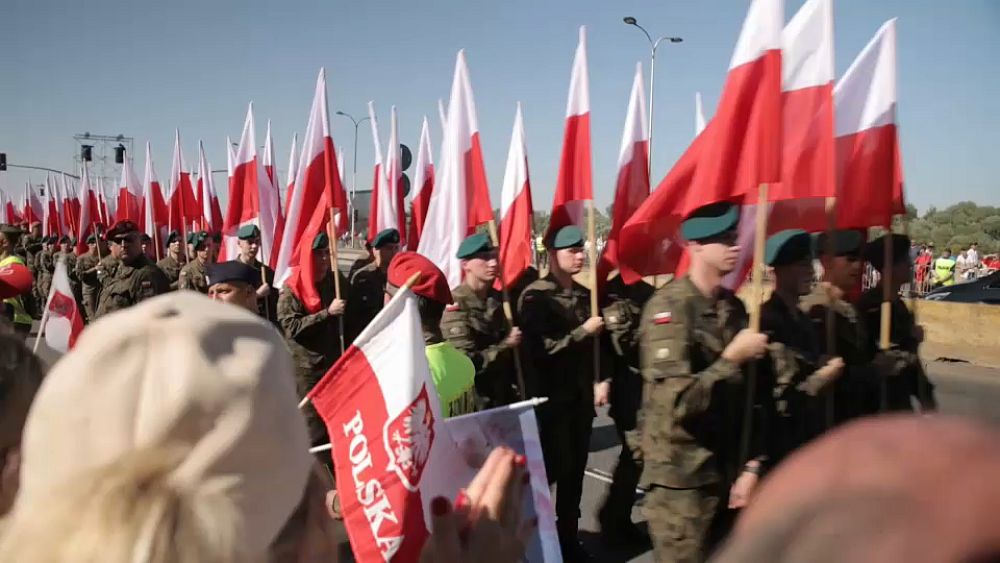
(368, 283)
(86, 272)
(234, 282)
(46, 266)
(694, 350)
(559, 332)
(14, 305)
(475, 323)
(622, 311)
(133, 277)
(249, 244)
(905, 335)
(803, 380)
(31, 245)
(67, 253)
(857, 392)
(361, 261)
(192, 275)
(313, 333)
(148, 248)
(172, 263)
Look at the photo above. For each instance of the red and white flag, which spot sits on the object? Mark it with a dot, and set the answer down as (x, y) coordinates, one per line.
(699, 115)
(90, 211)
(423, 186)
(51, 222)
(70, 206)
(290, 178)
(516, 211)
(210, 213)
(155, 214)
(392, 210)
(64, 320)
(108, 204)
(632, 185)
(183, 207)
(869, 168)
(317, 189)
(9, 210)
(574, 183)
(32, 208)
(384, 207)
(129, 200)
(442, 116)
(269, 155)
(460, 201)
(391, 450)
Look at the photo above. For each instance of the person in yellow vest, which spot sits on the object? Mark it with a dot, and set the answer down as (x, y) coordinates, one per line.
(452, 371)
(9, 236)
(944, 269)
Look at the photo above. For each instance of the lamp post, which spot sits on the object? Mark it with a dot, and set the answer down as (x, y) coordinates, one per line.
(629, 20)
(354, 174)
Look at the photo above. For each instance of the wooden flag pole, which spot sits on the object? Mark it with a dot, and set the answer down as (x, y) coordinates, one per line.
(756, 301)
(335, 271)
(885, 326)
(156, 241)
(267, 298)
(508, 311)
(831, 318)
(594, 308)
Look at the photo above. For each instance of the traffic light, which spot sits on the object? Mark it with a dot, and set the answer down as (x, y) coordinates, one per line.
(3, 161)
(405, 157)
(86, 152)
(404, 182)
(120, 154)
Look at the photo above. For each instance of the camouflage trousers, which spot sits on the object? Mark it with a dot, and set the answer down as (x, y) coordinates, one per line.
(686, 524)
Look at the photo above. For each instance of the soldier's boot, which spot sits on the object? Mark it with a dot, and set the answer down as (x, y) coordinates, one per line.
(569, 543)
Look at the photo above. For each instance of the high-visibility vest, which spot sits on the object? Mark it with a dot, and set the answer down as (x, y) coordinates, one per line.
(21, 315)
(454, 378)
(944, 270)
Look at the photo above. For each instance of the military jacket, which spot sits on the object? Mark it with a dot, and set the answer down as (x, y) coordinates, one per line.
(171, 268)
(313, 338)
(622, 312)
(193, 276)
(128, 284)
(86, 265)
(367, 298)
(478, 328)
(268, 306)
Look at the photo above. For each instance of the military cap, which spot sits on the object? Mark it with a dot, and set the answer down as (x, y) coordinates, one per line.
(65, 238)
(15, 279)
(51, 239)
(174, 235)
(710, 220)
(432, 283)
(788, 247)
(384, 237)
(569, 236)
(321, 241)
(92, 239)
(874, 251)
(10, 230)
(198, 239)
(232, 271)
(474, 244)
(842, 242)
(248, 232)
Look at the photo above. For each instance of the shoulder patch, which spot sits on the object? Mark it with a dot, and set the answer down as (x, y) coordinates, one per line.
(145, 284)
(663, 318)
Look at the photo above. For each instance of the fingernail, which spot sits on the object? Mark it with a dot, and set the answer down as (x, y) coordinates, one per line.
(439, 506)
(462, 499)
(520, 460)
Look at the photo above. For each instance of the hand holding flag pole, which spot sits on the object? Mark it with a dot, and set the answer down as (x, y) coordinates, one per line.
(756, 301)
(508, 312)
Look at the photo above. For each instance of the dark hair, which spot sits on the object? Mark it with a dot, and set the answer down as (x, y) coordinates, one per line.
(430, 311)
(21, 374)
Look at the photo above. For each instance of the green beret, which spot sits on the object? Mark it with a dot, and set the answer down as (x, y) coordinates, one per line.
(474, 244)
(197, 240)
(145, 238)
(321, 242)
(569, 236)
(65, 238)
(710, 220)
(174, 235)
(92, 239)
(248, 232)
(875, 250)
(190, 238)
(384, 237)
(788, 247)
(842, 242)
(232, 271)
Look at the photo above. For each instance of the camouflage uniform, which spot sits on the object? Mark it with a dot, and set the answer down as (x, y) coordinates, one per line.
(171, 268)
(367, 298)
(911, 379)
(478, 328)
(46, 266)
(193, 276)
(314, 340)
(125, 285)
(691, 419)
(86, 272)
(268, 306)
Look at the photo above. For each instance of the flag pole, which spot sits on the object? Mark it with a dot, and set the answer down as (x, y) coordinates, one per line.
(886, 320)
(156, 239)
(508, 311)
(335, 269)
(594, 309)
(756, 301)
(831, 319)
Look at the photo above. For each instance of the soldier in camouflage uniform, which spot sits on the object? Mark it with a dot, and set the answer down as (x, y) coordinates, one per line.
(132, 276)
(67, 253)
(193, 274)
(475, 323)
(694, 348)
(622, 310)
(313, 334)
(905, 335)
(86, 272)
(249, 244)
(559, 334)
(368, 283)
(803, 379)
(172, 263)
(28, 248)
(46, 266)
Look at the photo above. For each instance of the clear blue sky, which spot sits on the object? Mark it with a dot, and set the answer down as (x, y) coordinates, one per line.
(143, 68)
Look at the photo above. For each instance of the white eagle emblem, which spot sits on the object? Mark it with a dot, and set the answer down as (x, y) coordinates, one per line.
(408, 439)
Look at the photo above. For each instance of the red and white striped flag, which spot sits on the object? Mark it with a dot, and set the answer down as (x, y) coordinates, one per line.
(210, 213)
(108, 208)
(155, 215)
(442, 116)
(383, 208)
(64, 320)
(423, 186)
(699, 115)
(129, 206)
(90, 211)
(574, 183)
(51, 222)
(70, 206)
(269, 155)
(32, 208)
(9, 210)
(290, 178)
(460, 201)
(317, 189)
(394, 214)
(869, 168)
(516, 211)
(182, 204)
(391, 450)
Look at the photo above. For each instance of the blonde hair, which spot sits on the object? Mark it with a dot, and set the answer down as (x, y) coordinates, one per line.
(127, 512)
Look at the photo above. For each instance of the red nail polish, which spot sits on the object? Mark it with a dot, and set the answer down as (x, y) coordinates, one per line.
(520, 460)
(439, 506)
(461, 500)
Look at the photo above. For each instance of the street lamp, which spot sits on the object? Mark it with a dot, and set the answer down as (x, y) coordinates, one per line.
(354, 174)
(629, 20)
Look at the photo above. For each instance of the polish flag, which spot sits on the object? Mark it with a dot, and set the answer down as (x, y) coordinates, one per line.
(442, 116)
(51, 223)
(392, 210)
(516, 211)
(155, 214)
(574, 183)
(70, 206)
(632, 185)
(699, 115)
(207, 201)
(869, 169)
(378, 178)
(64, 321)
(423, 186)
(129, 206)
(317, 190)
(740, 148)
(392, 451)
(290, 178)
(253, 200)
(183, 207)
(10, 212)
(32, 208)
(460, 201)
(269, 155)
(90, 211)
(108, 209)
